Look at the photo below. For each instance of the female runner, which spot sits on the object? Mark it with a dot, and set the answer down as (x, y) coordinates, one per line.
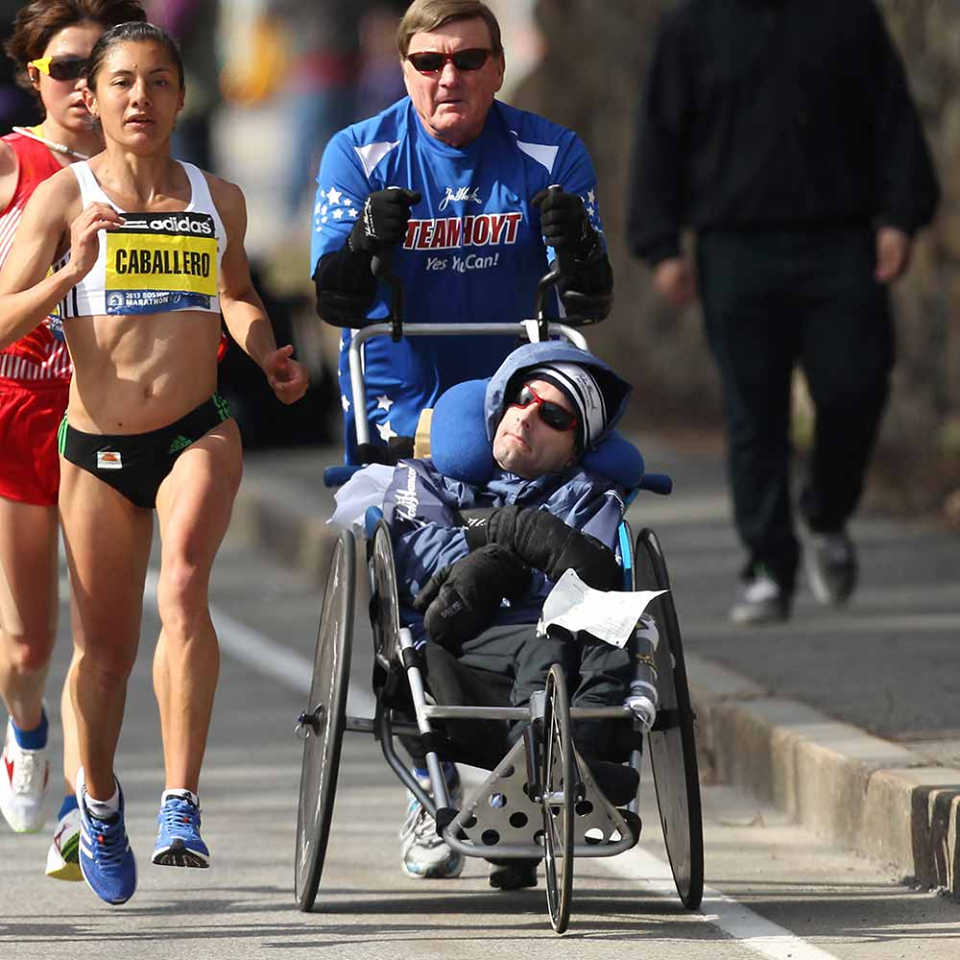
(50, 44)
(148, 253)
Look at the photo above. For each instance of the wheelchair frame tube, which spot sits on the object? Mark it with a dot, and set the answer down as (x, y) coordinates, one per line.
(385, 732)
(359, 337)
(519, 713)
(439, 783)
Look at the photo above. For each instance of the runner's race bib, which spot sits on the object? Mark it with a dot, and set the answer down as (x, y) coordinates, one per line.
(161, 261)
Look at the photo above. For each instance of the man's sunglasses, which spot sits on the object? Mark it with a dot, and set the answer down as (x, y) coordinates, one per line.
(430, 62)
(552, 414)
(65, 68)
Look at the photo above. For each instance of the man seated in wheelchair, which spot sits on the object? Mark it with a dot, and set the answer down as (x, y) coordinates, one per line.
(481, 532)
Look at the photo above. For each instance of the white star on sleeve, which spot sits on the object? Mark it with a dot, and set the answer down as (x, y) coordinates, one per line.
(384, 403)
(386, 431)
(344, 402)
(334, 195)
(592, 198)
(338, 213)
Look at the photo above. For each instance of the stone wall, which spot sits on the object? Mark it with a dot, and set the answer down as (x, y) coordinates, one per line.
(591, 79)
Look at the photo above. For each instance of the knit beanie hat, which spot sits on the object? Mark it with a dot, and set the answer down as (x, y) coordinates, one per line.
(581, 388)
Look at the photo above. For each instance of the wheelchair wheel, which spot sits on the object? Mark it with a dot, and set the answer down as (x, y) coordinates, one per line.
(558, 786)
(384, 609)
(322, 723)
(673, 751)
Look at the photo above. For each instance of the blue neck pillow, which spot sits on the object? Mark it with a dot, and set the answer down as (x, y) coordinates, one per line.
(460, 449)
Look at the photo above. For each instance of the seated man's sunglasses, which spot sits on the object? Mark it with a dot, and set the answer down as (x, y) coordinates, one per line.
(430, 62)
(552, 414)
(61, 68)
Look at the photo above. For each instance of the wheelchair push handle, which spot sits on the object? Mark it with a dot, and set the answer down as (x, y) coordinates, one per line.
(545, 284)
(582, 309)
(381, 265)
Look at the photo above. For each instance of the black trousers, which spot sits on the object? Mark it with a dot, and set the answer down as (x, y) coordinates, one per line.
(773, 299)
(506, 665)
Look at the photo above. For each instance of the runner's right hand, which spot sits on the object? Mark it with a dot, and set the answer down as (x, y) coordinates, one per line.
(84, 243)
(383, 220)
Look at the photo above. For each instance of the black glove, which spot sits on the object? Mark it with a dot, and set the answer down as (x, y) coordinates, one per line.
(461, 600)
(383, 220)
(547, 543)
(397, 449)
(564, 224)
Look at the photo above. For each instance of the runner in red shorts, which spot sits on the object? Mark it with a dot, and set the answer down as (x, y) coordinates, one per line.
(51, 43)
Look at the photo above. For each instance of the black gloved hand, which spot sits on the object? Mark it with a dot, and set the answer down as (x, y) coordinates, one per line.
(547, 543)
(383, 220)
(564, 223)
(461, 600)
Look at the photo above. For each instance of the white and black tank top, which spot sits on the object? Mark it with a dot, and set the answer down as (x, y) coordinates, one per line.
(155, 262)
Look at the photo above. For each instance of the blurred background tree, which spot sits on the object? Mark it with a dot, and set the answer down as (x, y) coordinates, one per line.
(590, 78)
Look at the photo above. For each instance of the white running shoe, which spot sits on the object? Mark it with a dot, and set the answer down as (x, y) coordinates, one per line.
(63, 860)
(762, 600)
(24, 776)
(424, 854)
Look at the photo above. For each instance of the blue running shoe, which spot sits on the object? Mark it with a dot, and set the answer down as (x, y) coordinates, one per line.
(179, 843)
(106, 860)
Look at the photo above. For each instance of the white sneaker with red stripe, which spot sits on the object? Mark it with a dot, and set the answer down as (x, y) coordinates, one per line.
(24, 776)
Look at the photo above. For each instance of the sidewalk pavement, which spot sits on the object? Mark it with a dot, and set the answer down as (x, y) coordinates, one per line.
(847, 719)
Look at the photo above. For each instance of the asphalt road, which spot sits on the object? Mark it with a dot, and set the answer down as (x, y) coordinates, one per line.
(773, 890)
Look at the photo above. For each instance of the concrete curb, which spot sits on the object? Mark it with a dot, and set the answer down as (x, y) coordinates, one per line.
(298, 538)
(855, 790)
(858, 792)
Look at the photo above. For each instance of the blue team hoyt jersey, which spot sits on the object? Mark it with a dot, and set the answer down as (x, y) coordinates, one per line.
(473, 251)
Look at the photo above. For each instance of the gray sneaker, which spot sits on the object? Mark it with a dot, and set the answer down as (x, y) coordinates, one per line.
(424, 853)
(830, 561)
(762, 600)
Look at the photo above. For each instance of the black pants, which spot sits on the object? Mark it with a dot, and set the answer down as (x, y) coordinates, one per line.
(772, 299)
(506, 665)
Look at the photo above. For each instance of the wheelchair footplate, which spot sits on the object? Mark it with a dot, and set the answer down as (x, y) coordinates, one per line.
(501, 819)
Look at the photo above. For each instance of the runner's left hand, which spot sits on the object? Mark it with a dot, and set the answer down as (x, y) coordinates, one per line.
(287, 378)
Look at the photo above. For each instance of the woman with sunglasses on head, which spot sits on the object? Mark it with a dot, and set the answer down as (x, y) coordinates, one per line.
(50, 43)
(148, 254)
(450, 184)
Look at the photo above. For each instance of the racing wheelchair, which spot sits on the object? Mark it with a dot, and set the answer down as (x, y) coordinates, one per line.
(540, 800)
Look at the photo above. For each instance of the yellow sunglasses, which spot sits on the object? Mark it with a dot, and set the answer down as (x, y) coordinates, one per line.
(61, 68)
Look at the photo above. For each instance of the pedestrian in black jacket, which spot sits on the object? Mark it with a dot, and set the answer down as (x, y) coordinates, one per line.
(782, 132)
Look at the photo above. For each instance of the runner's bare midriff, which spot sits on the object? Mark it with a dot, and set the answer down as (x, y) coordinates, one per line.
(140, 372)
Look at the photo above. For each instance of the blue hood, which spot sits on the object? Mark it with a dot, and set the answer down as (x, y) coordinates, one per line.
(615, 389)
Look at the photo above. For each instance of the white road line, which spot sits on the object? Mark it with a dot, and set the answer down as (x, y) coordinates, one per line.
(266, 656)
(756, 933)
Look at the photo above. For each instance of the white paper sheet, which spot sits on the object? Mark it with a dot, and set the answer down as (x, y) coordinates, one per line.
(608, 615)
